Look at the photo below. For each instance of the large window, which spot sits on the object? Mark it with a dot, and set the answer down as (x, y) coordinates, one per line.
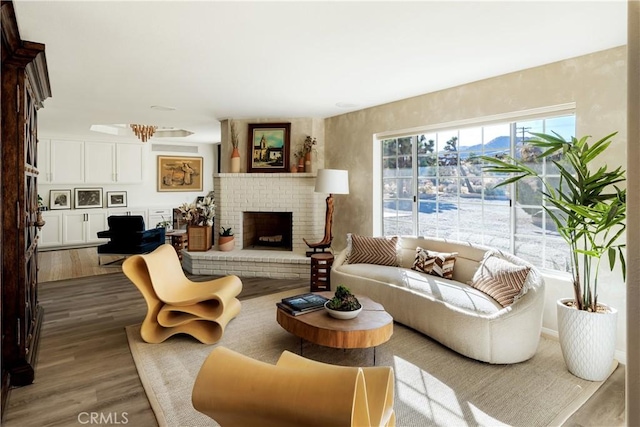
(433, 184)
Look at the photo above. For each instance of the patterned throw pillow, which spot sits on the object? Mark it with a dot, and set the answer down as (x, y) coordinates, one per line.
(435, 263)
(500, 279)
(373, 250)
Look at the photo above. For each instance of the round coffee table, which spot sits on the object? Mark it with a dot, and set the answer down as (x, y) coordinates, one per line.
(372, 327)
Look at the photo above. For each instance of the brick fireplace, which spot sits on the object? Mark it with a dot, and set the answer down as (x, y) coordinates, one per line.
(283, 194)
(237, 193)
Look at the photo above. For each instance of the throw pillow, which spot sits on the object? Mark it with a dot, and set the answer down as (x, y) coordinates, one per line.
(435, 263)
(373, 250)
(500, 279)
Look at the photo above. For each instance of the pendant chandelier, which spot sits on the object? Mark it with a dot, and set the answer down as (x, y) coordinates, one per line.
(143, 132)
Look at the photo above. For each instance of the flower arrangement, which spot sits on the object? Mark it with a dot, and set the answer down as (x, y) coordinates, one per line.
(201, 212)
(307, 147)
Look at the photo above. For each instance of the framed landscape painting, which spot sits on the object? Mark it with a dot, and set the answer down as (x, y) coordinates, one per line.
(86, 198)
(59, 199)
(179, 173)
(268, 147)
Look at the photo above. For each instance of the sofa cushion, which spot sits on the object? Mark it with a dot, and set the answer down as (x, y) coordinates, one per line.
(435, 263)
(373, 250)
(501, 279)
(436, 288)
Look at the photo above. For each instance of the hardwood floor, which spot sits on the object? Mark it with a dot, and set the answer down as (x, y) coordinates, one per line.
(70, 263)
(85, 365)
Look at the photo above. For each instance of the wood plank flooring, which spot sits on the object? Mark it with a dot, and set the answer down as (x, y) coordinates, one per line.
(85, 365)
(70, 263)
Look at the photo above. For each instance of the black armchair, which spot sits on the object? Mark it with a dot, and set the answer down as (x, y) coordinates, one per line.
(128, 236)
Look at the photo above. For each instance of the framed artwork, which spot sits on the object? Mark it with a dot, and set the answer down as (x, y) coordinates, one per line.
(86, 198)
(116, 199)
(268, 147)
(179, 173)
(59, 199)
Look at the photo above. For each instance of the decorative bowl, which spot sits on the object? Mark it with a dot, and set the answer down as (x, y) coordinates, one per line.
(343, 315)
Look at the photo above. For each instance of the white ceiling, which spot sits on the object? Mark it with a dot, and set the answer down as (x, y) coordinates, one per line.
(110, 61)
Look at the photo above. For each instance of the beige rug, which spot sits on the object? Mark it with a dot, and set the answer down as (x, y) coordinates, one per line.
(434, 385)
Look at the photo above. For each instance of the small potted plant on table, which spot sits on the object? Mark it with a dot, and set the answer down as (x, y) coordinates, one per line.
(344, 305)
(226, 240)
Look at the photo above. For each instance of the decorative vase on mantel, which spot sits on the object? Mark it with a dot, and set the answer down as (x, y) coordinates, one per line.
(235, 161)
(307, 163)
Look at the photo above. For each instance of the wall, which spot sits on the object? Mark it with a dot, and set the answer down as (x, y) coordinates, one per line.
(596, 83)
(145, 194)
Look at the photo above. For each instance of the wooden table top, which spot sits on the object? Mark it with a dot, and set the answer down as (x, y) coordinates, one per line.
(372, 327)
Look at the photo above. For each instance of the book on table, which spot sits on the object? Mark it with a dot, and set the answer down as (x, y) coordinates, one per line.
(305, 302)
(292, 312)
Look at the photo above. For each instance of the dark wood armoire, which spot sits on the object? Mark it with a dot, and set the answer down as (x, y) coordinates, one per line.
(25, 84)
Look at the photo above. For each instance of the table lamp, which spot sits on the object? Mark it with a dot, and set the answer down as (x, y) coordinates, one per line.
(332, 181)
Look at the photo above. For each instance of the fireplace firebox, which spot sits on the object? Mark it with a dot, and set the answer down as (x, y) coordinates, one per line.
(267, 230)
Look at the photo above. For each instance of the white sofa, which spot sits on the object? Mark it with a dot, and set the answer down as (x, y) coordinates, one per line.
(451, 311)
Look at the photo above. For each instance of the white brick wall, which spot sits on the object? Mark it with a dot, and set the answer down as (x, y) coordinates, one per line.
(271, 192)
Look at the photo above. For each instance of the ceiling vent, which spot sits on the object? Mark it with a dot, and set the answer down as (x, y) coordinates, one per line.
(174, 148)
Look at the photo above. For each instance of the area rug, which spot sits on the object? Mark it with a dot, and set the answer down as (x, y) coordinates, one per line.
(434, 385)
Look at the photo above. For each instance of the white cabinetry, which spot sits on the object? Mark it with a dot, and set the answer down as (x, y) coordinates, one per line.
(44, 161)
(88, 162)
(128, 163)
(51, 233)
(99, 162)
(106, 163)
(159, 215)
(82, 227)
(66, 162)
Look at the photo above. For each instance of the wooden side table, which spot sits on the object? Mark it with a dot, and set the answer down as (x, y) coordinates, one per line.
(321, 271)
(178, 241)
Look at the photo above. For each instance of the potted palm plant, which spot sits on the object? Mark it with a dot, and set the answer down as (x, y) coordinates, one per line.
(588, 209)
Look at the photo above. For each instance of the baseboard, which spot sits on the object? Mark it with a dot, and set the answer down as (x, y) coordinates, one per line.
(619, 355)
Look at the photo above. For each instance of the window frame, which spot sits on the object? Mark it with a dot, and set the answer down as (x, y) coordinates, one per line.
(511, 119)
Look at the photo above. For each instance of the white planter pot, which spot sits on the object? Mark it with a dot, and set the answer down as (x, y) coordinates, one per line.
(588, 340)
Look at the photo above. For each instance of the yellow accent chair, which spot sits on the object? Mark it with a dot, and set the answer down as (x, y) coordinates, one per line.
(236, 390)
(176, 304)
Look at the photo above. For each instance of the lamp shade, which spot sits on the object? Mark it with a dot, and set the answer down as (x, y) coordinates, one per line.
(332, 181)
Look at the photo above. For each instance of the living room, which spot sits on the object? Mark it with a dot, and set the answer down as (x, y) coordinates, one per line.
(592, 85)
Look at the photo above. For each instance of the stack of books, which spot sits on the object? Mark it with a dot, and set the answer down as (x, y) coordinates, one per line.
(301, 304)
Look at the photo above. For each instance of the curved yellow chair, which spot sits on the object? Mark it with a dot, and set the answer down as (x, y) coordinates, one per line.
(178, 305)
(236, 390)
